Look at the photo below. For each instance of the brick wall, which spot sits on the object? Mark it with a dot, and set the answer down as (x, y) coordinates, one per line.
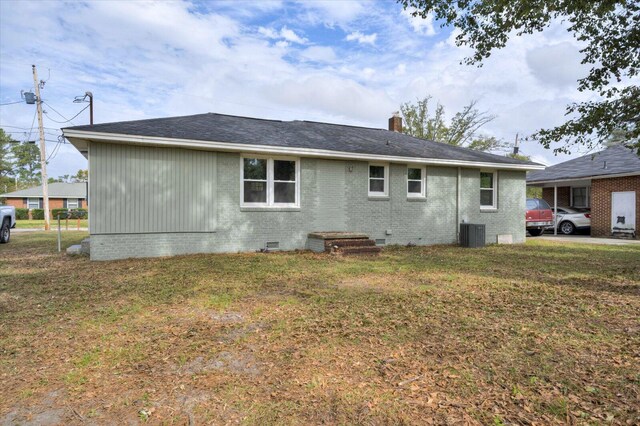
(601, 190)
(564, 196)
(18, 203)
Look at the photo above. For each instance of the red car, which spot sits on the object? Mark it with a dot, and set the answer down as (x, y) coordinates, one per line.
(538, 217)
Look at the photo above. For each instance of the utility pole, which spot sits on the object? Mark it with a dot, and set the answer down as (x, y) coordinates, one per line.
(43, 153)
(516, 147)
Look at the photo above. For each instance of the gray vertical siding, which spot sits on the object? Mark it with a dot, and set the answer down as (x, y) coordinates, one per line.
(160, 201)
(141, 190)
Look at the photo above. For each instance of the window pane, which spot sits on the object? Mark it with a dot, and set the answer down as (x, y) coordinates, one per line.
(543, 205)
(72, 203)
(415, 187)
(486, 197)
(284, 170)
(486, 180)
(284, 192)
(415, 174)
(376, 171)
(532, 205)
(255, 192)
(255, 168)
(376, 185)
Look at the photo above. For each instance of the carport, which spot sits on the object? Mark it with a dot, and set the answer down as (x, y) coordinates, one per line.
(606, 182)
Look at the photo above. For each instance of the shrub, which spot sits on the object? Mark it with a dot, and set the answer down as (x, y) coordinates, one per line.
(62, 212)
(37, 214)
(78, 214)
(22, 214)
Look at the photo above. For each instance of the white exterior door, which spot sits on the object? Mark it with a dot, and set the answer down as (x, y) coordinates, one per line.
(623, 211)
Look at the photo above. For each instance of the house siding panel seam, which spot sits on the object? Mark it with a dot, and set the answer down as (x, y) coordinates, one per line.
(202, 190)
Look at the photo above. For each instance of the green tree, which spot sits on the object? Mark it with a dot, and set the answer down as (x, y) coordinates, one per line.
(26, 162)
(81, 176)
(6, 163)
(610, 32)
(461, 131)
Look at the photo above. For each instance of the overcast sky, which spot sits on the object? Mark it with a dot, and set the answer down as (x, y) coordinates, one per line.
(349, 62)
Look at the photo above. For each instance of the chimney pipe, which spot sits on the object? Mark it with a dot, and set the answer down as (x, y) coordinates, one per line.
(395, 123)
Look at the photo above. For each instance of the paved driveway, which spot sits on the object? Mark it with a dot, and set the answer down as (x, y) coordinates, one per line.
(586, 239)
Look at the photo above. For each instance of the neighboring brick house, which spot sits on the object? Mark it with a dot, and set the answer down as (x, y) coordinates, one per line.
(221, 183)
(607, 182)
(61, 195)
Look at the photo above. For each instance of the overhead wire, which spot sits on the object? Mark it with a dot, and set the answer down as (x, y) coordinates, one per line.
(67, 120)
(11, 103)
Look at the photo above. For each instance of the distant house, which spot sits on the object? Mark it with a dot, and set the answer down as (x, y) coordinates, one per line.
(221, 183)
(607, 182)
(61, 195)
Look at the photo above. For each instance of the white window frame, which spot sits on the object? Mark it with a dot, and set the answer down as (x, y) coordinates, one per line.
(77, 203)
(587, 196)
(30, 200)
(270, 204)
(423, 181)
(494, 204)
(374, 194)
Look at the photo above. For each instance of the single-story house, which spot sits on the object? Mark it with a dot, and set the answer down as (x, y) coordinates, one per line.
(222, 183)
(61, 196)
(607, 182)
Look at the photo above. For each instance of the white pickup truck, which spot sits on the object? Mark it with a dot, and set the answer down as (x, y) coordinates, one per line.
(7, 221)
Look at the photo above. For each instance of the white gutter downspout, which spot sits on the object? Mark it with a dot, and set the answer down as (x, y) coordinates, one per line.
(458, 196)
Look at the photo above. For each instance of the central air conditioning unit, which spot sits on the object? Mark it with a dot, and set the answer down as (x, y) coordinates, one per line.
(472, 235)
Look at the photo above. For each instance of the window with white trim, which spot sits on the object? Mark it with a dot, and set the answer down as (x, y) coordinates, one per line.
(416, 177)
(378, 180)
(72, 203)
(269, 182)
(488, 190)
(580, 196)
(33, 203)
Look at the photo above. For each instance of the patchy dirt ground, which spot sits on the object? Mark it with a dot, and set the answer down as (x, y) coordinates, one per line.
(543, 333)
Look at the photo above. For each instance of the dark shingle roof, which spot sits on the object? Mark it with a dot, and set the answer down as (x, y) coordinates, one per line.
(619, 159)
(295, 134)
(56, 190)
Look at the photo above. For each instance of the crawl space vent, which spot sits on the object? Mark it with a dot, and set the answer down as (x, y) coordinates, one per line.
(273, 244)
(380, 241)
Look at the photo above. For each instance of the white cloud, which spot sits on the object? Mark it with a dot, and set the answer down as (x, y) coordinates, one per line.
(421, 26)
(319, 54)
(557, 64)
(400, 70)
(361, 38)
(284, 33)
(291, 36)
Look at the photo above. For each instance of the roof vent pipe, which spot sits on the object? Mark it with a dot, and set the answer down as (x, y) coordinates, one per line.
(395, 123)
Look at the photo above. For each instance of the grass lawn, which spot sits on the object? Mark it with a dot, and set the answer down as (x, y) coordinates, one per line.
(32, 224)
(542, 333)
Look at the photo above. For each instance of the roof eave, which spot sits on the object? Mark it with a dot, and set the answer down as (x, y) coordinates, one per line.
(568, 179)
(79, 139)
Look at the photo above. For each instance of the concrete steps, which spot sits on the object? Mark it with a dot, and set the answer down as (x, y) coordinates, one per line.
(343, 243)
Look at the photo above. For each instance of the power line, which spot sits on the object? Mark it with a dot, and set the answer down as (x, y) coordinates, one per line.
(26, 128)
(11, 103)
(67, 120)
